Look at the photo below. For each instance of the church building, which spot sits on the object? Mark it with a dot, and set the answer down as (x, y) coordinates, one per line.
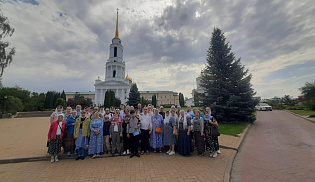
(115, 78)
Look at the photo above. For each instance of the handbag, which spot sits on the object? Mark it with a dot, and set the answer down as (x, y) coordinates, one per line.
(157, 129)
(215, 131)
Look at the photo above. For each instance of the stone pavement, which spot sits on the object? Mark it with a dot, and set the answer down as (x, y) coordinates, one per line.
(279, 147)
(27, 137)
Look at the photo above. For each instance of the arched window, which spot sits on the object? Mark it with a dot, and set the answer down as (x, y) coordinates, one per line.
(114, 73)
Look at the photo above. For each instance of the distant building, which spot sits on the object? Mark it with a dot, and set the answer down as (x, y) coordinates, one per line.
(189, 102)
(162, 97)
(91, 95)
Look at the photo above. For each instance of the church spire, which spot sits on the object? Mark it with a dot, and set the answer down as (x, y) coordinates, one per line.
(116, 34)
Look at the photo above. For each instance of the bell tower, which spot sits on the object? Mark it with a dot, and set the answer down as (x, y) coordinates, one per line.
(115, 66)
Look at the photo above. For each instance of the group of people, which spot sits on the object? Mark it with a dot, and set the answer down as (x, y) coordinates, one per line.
(101, 131)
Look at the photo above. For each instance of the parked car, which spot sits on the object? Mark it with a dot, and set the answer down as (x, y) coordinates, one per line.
(263, 107)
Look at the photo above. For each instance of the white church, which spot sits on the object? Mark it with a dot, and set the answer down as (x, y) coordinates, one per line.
(115, 79)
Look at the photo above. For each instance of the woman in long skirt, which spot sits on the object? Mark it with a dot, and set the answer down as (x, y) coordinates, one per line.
(184, 140)
(55, 135)
(156, 139)
(212, 142)
(198, 124)
(96, 140)
(169, 132)
(81, 133)
(69, 140)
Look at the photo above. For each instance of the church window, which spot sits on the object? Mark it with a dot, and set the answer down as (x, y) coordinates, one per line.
(115, 51)
(114, 73)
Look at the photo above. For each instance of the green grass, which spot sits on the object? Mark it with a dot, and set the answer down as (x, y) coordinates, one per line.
(232, 129)
(303, 112)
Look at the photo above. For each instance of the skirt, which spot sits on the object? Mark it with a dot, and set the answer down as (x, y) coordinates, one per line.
(55, 145)
(69, 143)
(184, 143)
(199, 142)
(169, 138)
(96, 144)
(81, 142)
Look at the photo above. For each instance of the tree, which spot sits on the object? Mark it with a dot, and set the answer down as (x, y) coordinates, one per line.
(110, 99)
(13, 104)
(79, 100)
(6, 53)
(48, 104)
(134, 96)
(154, 100)
(287, 99)
(60, 101)
(227, 83)
(181, 99)
(63, 95)
(117, 102)
(308, 90)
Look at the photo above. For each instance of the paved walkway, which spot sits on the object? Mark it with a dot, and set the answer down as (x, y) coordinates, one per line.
(279, 147)
(26, 137)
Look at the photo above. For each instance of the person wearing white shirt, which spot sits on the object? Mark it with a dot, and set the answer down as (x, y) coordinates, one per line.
(145, 120)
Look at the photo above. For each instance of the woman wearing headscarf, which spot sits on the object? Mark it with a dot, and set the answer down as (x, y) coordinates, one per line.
(212, 142)
(81, 133)
(184, 140)
(69, 139)
(96, 140)
(156, 139)
(54, 115)
(169, 133)
(198, 124)
(55, 134)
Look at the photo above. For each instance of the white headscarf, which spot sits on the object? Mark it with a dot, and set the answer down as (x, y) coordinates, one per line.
(167, 119)
(58, 113)
(185, 119)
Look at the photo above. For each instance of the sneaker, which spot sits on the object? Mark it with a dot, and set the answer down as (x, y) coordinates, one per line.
(168, 151)
(56, 159)
(214, 154)
(78, 158)
(124, 153)
(131, 156)
(211, 154)
(98, 155)
(172, 153)
(68, 154)
(82, 157)
(138, 155)
(219, 152)
(52, 159)
(94, 156)
(128, 152)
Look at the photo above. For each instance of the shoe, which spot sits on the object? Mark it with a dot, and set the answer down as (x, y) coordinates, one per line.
(68, 154)
(131, 156)
(138, 155)
(168, 151)
(172, 153)
(211, 154)
(128, 152)
(78, 158)
(214, 154)
(142, 152)
(94, 156)
(82, 157)
(56, 159)
(148, 152)
(52, 159)
(219, 152)
(124, 153)
(98, 155)
(113, 154)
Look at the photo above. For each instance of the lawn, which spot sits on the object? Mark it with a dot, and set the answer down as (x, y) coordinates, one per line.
(232, 129)
(303, 112)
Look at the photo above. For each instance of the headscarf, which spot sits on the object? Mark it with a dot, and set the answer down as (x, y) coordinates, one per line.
(185, 119)
(59, 113)
(167, 118)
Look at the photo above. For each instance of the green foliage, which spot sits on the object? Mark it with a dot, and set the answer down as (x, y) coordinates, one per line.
(310, 104)
(197, 98)
(60, 101)
(110, 99)
(13, 104)
(276, 105)
(117, 102)
(154, 100)
(312, 116)
(303, 112)
(6, 53)
(63, 95)
(308, 90)
(134, 96)
(228, 90)
(295, 107)
(144, 102)
(181, 100)
(287, 100)
(79, 100)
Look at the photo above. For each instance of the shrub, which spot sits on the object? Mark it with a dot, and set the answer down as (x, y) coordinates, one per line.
(312, 116)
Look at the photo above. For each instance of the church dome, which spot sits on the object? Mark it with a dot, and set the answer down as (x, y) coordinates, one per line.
(128, 78)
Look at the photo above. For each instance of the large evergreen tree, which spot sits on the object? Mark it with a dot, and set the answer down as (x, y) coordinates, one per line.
(227, 83)
(154, 100)
(181, 99)
(134, 96)
(63, 95)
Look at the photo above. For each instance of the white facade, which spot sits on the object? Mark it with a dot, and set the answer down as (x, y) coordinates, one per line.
(115, 79)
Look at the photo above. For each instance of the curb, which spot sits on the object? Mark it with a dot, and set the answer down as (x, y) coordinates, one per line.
(228, 169)
(299, 116)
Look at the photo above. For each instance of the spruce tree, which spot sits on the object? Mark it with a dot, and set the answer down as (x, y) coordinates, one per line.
(181, 99)
(154, 100)
(63, 95)
(134, 96)
(227, 83)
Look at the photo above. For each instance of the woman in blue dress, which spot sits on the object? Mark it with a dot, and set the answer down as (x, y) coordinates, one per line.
(81, 134)
(156, 139)
(170, 132)
(96, 140)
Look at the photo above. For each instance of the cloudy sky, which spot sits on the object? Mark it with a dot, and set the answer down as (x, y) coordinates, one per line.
(63, 45)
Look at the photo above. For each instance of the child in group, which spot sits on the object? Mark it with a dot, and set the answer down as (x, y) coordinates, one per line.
(106, 127)
(126, 141)
(115, 134)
